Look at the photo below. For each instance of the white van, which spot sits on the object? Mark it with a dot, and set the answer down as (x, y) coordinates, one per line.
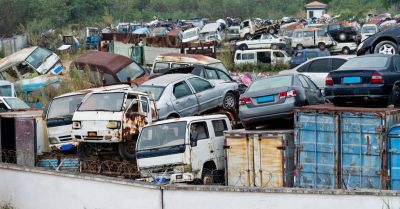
(188, 149)
(267, 56)
(190, 35)
(59, 116)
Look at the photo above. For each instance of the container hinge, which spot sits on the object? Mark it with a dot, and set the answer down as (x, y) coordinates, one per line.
(226, 147)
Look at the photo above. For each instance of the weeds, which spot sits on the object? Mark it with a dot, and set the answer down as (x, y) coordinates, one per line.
(2, 53)
(261, 67)
(7, 206)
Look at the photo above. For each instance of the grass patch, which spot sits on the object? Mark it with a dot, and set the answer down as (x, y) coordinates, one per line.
(261, 68)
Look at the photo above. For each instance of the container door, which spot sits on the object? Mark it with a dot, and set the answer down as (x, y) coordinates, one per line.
(317, 144)
(361, 150)
(394, 158)
(268, 161)
(239, 159)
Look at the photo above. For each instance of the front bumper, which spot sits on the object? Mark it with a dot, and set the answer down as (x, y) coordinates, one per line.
(102, 136)
(63, 146)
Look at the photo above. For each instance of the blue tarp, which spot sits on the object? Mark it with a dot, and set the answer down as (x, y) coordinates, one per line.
(141, 31)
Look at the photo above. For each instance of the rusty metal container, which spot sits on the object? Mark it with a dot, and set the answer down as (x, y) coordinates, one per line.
(356, 141)
(259, 158)
(23, 136)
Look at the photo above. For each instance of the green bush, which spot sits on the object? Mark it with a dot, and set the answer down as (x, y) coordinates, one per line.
(2, 53)
(261, 67)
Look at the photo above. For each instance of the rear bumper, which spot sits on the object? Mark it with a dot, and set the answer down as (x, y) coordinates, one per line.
(265, 113)
(375, 92)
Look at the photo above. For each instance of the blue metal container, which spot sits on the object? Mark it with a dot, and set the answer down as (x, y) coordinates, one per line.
(316, 139)
(394, 157)
(344, 147)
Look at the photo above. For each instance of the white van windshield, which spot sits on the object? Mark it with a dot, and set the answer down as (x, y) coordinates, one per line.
(111, 102)
(64, 106)
(38, 57)
(163, 135)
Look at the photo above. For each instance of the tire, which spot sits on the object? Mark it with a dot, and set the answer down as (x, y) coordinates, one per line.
(299, 47)
(386, 47)
(243, 47)
(247, 36)
(207, 177)
(321, 46)
(85, 152)
(394, 97)
(249, 126)
(229, 101)
(346, 50)
(271, 30)
(127, 149)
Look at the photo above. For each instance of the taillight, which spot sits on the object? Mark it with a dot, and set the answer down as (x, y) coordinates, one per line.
(287, 94)
(376, 78)
(329, 80)
(244, 100)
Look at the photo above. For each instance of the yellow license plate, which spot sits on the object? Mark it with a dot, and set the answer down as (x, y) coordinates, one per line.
(92, 133)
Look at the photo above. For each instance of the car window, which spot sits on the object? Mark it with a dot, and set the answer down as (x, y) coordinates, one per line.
(308, 33)
(310, 83)
(181, 90)
(264, 57)
(336, 63)
(248, 56)
(397, 63)
(279, 54)
(303, 68)
(199, 84)
(174, 65)
(109, 79)
(211, 74)
(199, 130)
(223, 76)
(144, 104)
(219, 127)
(159, 66)
(303, 81)
(321, 33)
(319, 66)
(10, 74)
(238, 56)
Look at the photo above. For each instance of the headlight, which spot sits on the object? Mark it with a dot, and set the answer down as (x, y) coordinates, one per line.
(113, 124)
(53, 140)
(76, 125)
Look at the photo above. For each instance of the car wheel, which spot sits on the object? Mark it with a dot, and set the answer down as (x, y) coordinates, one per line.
(271, 31)
(243, 47)
(386, 47)
(127, 150)
(247, 36)
(299, 47)
(345, 50)
(342, 36)
(321, 46)
(249, 126)
(229, 101)
(394, 98)
(207, 177)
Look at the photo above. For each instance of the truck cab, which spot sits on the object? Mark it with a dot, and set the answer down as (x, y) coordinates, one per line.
(109, 122)
(188, 149)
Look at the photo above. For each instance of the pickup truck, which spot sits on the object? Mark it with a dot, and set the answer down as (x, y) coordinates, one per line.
(188, 149)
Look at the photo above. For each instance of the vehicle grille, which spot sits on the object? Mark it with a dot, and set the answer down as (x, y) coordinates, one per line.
(93, 138)
(65, 138)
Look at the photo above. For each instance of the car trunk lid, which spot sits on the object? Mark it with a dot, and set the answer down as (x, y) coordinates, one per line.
(265, 97)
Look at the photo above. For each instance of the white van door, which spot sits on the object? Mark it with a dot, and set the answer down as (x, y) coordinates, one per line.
(200, 139)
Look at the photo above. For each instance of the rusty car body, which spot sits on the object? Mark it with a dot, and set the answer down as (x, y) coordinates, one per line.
(109, 121)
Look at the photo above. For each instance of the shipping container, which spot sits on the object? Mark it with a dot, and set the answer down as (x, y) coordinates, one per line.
(259, 158)
(360, 136)
(316, 139)
(394, 157)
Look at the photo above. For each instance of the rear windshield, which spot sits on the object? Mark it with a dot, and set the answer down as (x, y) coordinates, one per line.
(154, 91)
(366, 62)
(273, 82)
(368, 29)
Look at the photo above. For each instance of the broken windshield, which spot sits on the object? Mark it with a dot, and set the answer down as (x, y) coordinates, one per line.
(163, 135)
(111, 102)
(15, 103)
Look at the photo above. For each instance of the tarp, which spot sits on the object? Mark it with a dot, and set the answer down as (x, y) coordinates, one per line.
(141, 31)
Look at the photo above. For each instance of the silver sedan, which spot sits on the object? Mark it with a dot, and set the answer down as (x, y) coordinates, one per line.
(180, 95)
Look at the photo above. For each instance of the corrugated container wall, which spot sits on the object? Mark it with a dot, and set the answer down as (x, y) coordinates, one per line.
(259, 158)
(360, 136)
(394, 157)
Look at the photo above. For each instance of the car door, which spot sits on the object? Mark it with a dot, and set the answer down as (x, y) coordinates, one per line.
(207, 95)
(183, 100)
(317, 70)
(308, 38)
(200, 144)
(311, 99)
(265, 41)
(315, 92)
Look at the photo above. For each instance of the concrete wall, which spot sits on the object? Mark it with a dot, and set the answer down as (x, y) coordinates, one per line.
(35, 188)
(14, 44)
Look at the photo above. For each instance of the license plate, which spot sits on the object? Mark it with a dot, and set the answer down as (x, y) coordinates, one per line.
(178, 176)
(348, 80)
(265, 99)
(92, 133)
(66, 147)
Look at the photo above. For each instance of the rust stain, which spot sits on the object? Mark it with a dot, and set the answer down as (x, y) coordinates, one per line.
(133, 122)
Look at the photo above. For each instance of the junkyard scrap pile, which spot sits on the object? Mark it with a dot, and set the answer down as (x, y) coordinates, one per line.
(151, 101)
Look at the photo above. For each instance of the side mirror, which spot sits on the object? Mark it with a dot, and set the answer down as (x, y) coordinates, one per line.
(128, 79)
(193, 139)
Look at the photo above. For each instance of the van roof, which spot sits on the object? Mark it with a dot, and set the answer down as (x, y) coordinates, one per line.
(191, 118)
(259, 50)
(91, 90)
(16, 57)
(185, 58)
